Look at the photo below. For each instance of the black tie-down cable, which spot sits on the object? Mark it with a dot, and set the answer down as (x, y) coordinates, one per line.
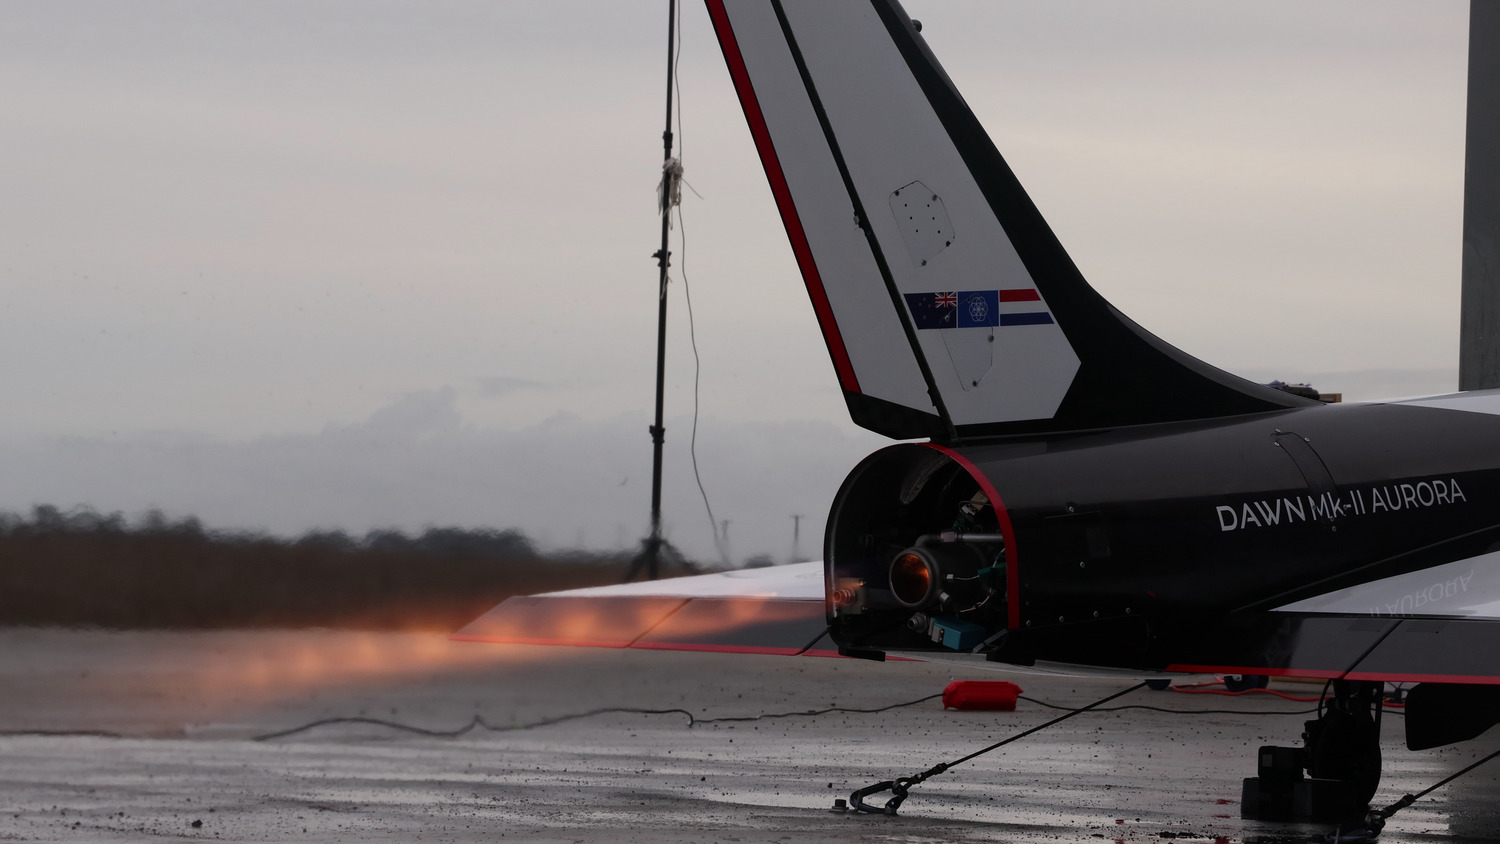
(900, 788)
(1374, 822)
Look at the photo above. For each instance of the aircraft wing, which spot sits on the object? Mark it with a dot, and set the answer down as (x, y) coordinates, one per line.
(1439, 624)
(777, 610)
(1350, 647)
(781, 610)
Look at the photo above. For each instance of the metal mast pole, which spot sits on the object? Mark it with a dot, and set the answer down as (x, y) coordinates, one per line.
(663, 261)
(1479, 323)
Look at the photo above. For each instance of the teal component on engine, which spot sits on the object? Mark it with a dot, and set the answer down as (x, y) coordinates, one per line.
(957, 634)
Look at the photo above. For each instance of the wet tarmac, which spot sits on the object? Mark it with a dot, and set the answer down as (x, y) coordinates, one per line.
(134, 736)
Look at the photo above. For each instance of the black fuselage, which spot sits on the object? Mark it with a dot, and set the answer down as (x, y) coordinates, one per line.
(1148, 545)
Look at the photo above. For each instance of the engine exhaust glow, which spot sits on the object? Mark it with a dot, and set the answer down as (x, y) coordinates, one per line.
(914, 578)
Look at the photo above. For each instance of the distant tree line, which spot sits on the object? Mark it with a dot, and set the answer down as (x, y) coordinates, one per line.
(83, 568)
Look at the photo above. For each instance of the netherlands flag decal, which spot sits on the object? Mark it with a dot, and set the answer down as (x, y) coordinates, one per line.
(976, 309)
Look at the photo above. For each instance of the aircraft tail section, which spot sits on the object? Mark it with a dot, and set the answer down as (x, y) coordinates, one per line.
(949, 307)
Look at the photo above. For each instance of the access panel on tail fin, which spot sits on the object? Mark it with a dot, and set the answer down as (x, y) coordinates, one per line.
(949, 308)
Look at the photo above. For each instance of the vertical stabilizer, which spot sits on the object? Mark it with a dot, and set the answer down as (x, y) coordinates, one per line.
(949, 308)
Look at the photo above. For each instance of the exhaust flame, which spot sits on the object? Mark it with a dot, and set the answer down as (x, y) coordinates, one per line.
(229, 670)
(646, 622)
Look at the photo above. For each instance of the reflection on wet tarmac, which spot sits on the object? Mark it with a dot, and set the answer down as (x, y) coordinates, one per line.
(188, 704)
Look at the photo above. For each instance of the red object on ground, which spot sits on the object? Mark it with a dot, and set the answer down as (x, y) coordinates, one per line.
(981, 694)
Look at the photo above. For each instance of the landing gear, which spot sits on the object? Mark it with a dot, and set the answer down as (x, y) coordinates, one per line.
(1341, 758)
(1344, 744)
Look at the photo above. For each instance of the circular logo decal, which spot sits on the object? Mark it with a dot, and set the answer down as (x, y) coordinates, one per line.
(978, 309)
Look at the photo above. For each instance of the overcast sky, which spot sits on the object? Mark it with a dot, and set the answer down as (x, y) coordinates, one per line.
(285, 265)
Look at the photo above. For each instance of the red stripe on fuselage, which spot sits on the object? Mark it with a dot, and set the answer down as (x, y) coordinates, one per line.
(783, 194)
(1012, 568)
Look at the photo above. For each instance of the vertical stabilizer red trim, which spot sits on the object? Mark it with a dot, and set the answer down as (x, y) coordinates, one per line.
(783, 194)
(1012, 564)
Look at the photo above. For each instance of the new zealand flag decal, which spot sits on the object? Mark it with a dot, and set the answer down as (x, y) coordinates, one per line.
(976, 309)
(933, 310)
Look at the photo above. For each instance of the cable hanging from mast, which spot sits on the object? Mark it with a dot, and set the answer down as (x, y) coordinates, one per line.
(668, 197)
